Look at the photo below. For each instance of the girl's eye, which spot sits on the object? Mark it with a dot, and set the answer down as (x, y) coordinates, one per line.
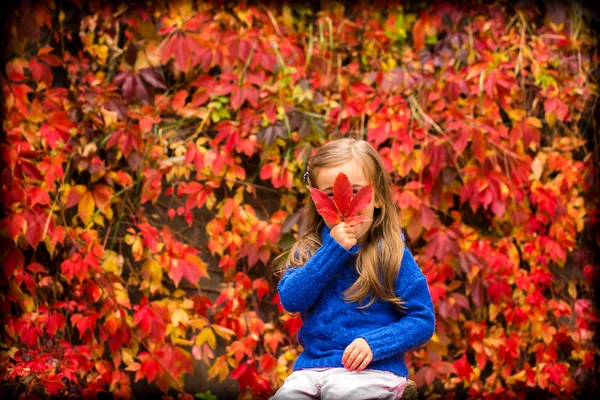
(353, 193)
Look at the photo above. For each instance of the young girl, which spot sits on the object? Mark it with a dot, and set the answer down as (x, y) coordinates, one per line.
(363, 300)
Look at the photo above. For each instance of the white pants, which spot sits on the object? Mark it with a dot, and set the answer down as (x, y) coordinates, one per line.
(341, 384)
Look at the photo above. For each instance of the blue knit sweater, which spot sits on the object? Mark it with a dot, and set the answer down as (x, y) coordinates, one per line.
(330, 323)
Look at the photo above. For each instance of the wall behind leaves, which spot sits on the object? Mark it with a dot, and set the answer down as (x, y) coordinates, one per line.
(151, 170)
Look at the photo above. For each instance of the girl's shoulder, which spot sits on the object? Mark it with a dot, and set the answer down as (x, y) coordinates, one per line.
(409, 269)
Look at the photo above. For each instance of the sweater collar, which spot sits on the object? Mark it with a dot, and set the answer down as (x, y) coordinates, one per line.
(326, 232)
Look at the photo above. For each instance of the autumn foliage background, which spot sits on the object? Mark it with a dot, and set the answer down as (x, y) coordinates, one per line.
(152, 161)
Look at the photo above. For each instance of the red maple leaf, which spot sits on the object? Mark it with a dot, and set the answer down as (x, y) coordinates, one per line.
(343, 206)
(441, 242)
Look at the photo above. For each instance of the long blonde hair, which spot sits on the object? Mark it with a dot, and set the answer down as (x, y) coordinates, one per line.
(378, 261)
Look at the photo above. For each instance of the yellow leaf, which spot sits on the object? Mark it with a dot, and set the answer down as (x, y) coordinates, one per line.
(225, 333)
(127, 356)
(179, 316)
(108, 213)
(572, 289)
(516, 114)
(28, 303)
(199, 323)
(519, 376)
(13, 350)
(550, 119)
(417, 160)
(113, 262)
(219, 368)
(210, 202)
(435, 338)
(183, 7)
(152, 273)
(121, 295)
(182, 342)
(86, 207)
(494, 311)
(535, 122)
(110, 117)
(537, 167)
(99, 220)
(206, 335)
(137, 248)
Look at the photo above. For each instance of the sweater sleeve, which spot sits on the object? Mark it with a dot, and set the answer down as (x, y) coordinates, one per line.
(300, 287)
(417, 323)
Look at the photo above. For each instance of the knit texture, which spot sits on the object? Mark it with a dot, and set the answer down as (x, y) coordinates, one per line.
(330, 323)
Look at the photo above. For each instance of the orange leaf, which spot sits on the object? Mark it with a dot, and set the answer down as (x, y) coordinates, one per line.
(418, 32)
(86, 206)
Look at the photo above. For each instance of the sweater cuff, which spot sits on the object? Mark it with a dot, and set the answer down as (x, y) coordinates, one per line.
(336, 255)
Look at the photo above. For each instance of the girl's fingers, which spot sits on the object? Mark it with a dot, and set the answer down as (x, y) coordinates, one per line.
(346, 354)
(364, 363)
(351, 357)
(357, 361)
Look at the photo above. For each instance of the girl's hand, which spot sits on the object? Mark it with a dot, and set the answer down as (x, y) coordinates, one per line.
(344, 234)
(357, 355)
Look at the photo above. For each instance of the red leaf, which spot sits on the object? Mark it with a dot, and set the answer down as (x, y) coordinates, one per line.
(36, 267)
(13, 260)
(53, 135)
(102, 196)
(237, 97)
(151, 368)
(74, 196)
(343, 206)
(463, 367)
(84, 324)
(261, 285)
(325, 206)
(444, 367)
(149, 323)
(360, 200)
(357, 219)
(267, 362)
(440, 243)
(55, 322)
(179, 99)
(556, 371)
(342, 193)
(427, 216)
(35, 226)
(40, 72)
(189, 269)
(74, 266)
(430, 375)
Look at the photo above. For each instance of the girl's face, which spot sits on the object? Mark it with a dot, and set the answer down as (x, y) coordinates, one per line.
(358, 179)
